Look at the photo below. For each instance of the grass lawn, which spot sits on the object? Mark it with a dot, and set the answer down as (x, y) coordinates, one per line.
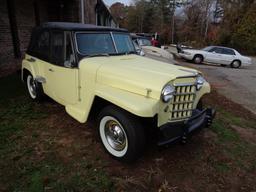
(43, 149)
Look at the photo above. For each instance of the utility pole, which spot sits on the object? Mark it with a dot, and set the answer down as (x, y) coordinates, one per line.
(173, 8)
(82, 10)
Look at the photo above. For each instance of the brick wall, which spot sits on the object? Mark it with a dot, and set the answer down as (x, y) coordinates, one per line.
(48, 10)
(90, 15)
(6, 49)
(25, 16)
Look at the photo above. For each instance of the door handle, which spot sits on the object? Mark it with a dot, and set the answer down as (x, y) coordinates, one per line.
(31, 59)
(51, 70)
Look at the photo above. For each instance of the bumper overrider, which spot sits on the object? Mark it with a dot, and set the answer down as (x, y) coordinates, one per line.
(180, 131)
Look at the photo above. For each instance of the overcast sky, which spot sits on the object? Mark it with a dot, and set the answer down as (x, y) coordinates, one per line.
(110, 2)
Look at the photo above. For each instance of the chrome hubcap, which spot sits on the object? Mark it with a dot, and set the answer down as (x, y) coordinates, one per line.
(236, 64)
(115, 135)
(198, 60)
(31, 86)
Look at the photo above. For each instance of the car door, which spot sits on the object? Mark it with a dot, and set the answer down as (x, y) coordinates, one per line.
(214, 55)
(61, 76)
(228, 56)
(38, 54)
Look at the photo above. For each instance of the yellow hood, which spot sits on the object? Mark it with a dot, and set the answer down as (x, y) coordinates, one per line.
(136, 74)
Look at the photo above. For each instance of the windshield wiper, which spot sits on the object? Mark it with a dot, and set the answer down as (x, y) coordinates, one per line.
(130, 52)
(126, 53)
(98, 54)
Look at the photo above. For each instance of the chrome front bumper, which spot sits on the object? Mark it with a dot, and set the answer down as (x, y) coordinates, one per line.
(180, 131)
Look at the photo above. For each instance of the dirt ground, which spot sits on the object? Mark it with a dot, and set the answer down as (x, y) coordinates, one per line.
(44, 149)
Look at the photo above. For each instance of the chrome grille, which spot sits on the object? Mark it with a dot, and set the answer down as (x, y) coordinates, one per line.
(182, 104)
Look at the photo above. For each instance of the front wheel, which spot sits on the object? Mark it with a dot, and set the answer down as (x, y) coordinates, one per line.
(198, 59)
(121, 134)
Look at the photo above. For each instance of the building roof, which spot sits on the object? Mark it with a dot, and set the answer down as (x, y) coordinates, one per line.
(79, 27)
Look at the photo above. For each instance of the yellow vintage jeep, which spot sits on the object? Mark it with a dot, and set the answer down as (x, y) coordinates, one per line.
(95, 70)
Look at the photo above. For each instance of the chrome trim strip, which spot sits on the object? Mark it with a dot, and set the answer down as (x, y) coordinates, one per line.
(187, 93)
(184, 84)
(189, 71)
(113, 40)
(179, 119)
(183, 102)
(187, 76)
(181, 110)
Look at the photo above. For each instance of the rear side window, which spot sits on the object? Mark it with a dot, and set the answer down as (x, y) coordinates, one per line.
(216, 50)
(69, 56)
(228, 52)
(62, 51)
(57, 52)
(40, 47)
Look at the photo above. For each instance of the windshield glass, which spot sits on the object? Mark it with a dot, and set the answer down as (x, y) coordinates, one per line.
(207, 48)
(123, 43)
(144, 42)
(102, 43)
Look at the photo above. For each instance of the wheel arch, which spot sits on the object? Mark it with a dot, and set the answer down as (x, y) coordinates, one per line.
(236, 60)
(200, 55)
(134, 103)
(27, 68)
(25, 73)
(231, 64)
(100, 102)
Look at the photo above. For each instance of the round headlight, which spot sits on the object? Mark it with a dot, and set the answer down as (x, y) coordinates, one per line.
(199, 82)
(167, 93)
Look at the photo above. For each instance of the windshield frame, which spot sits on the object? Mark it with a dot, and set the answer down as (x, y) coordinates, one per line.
(112, 38)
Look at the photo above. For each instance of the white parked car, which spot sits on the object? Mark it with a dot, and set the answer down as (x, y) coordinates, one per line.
(216, 54)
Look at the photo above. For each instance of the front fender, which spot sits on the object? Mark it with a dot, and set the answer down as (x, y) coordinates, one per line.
(136, 104)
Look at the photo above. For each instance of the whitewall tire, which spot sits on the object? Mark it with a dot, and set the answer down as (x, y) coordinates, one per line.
(35, 89)
(31, 86)
(113, 136)
(121, 134)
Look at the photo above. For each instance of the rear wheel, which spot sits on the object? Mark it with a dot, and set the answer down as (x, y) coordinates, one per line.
(198, 59)
(121, 134)
(236, 64)
(34, 88)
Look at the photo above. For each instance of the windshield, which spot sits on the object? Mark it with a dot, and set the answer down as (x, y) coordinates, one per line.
(102, 44)
(207, 48)
(144, 42)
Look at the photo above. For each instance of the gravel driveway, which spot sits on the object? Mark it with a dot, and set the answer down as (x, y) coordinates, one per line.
(239, 85)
